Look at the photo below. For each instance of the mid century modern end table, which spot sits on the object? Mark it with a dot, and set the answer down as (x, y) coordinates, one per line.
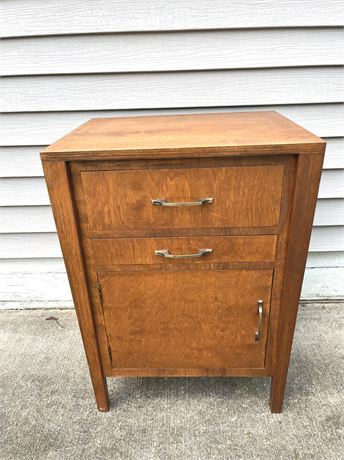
(185, 241)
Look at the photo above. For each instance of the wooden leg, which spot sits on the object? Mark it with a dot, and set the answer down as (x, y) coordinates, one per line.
(278, 384)
(101, 393)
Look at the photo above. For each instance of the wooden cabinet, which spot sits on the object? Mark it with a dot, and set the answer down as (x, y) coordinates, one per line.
(185, 240)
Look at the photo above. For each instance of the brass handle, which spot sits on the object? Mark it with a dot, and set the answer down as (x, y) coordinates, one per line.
(166, 253)
(199, 202)
(259, 333)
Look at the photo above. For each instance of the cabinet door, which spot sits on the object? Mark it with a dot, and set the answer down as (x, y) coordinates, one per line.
(186, 319)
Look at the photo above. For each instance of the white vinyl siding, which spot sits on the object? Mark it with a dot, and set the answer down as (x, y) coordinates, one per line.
(172, 89)
(59, 17)
(63, 63)
(197, 50)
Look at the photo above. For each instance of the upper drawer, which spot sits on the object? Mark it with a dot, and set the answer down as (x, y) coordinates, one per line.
(242, 196)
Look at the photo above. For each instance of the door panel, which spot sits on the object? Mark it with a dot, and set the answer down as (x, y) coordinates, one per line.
(186, 319)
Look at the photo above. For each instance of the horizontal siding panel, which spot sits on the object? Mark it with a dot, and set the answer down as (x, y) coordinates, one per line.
(36, 265)
(25, 161)
(174, 89)
(20, 162)
(23, 192)
(327, 239)
(334, 157)
(324, 120)
(329, 212)
(332, 184)
(26, 219)
(198, 50)
(32, 191)
(31, 245)
(39, 17)
(323, 259)
(32, 219)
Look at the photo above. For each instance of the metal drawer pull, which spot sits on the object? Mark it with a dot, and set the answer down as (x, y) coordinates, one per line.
(166, 253)
(259, 333)
(199, 202)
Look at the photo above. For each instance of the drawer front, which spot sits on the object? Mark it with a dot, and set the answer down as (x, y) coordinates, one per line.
(186, 319)
(230, 249)
(242, 196)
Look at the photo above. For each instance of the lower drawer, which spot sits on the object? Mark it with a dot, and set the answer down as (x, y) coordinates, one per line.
(230, 249)
(187, 319)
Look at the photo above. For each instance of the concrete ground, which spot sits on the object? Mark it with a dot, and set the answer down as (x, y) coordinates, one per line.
(47, 410)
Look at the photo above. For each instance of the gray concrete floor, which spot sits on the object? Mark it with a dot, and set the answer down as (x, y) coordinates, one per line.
(47, 409)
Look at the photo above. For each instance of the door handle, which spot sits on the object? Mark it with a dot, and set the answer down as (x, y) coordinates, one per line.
(199, 202)
(259, 333)
(166, 253)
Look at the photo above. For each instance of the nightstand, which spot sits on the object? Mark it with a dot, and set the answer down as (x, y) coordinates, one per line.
(185, 241)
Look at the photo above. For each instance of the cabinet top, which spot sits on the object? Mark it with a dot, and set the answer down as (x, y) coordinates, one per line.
(197, 134)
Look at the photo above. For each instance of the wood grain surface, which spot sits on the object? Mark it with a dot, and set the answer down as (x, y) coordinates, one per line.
(231, 249)
(56, 175)
(247, 196)
(137, 134)
(307, 181)
(185, 319)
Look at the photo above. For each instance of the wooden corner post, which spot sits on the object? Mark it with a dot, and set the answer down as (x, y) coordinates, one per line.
(58, 183)
(307, 178)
